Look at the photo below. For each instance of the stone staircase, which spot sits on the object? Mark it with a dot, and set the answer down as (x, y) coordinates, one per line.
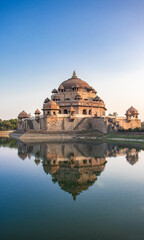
(79, 123)
(113, 125)
(30, 124)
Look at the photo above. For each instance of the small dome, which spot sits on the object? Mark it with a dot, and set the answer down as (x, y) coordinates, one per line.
(51, 105)
(98, 99)
(72, 109)
(74, 81)
(37, 161)
(23, 114)
(54, 91)
(23, 156)
(132, 110)
(37, 111)
(77, 97)
(94, 91)
(90, 88)
(46, 100)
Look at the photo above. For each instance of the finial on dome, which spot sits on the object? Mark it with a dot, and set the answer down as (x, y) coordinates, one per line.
(74, 75)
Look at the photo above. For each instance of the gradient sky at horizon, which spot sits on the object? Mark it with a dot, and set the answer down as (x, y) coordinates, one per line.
(42, 42)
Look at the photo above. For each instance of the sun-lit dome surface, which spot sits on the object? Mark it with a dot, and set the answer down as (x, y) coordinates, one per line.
(74, 81)
(132, 111)
(23, 114)
(37, 111)
(50, 105)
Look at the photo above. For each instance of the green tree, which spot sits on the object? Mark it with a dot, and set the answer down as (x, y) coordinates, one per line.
(8, 124)
(114, 114)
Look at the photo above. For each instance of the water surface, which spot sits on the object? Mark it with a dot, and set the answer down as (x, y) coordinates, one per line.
(71, 191)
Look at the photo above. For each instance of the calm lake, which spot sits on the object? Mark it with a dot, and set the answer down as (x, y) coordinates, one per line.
(71, 191)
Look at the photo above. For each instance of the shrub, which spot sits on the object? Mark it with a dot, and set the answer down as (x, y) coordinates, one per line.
(130, 130)
(8, 124)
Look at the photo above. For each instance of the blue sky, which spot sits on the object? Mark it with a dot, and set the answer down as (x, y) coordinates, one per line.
(42, 42)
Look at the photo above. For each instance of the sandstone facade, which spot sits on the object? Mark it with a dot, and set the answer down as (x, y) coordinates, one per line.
(75, 106)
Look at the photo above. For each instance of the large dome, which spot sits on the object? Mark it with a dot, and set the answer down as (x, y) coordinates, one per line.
(73, 82)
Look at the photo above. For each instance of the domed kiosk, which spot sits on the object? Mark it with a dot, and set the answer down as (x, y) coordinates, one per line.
(132, 112)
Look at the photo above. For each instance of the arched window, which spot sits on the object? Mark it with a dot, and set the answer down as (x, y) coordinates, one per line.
(54, 113)
(48, 113)
(65, 111)
(59, 111)
(85, 112)
(89, 112)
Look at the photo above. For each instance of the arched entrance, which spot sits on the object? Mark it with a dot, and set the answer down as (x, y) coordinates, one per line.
(85, 112)
(65, 111)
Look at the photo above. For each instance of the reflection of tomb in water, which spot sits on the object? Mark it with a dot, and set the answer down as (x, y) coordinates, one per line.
(22, 155)
(75, 175)
(74, 166)
(132, 156)
(37, 160)
(22, 151)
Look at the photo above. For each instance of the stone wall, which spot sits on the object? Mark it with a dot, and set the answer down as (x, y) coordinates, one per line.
(132, 123)
(53, 124)
(78, 124)
(81, 123)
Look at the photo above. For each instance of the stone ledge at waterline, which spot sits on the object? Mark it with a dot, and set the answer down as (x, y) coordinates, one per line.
(92, 136)
(51, 136)
(5, 133)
